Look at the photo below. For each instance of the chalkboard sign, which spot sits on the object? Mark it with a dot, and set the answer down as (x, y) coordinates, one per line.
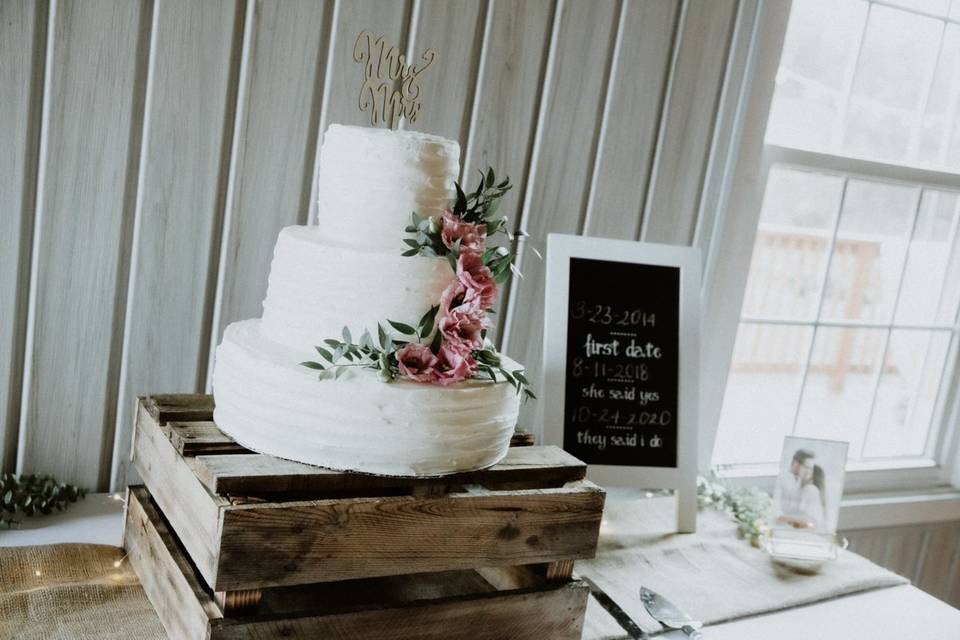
(622, 363)
(621, 359)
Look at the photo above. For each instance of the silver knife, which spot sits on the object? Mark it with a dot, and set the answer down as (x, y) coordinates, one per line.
(669, 615)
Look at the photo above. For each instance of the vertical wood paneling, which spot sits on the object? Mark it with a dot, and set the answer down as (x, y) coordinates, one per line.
(455, 31)
(687, 129)
(507, 97)
(185, 141)
(939, 561)
(560, 178)
(23, 26)
(96, 70)
(274, 148)
(626, 151)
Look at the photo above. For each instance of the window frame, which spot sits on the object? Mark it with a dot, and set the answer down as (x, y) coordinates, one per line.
(726, 268)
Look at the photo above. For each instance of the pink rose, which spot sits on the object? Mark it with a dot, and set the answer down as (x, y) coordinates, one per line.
(472, 237)
(453, 366)
(477, 278)
(417, 362)
(457, 296)
(462, 328)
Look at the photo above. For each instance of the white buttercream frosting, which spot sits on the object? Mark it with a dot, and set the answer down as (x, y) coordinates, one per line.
(316, 288)
(371, 180)
(268, 403)
(348, 271)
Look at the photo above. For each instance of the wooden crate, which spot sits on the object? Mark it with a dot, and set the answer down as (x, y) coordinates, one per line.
(251, 526)
(492, 604)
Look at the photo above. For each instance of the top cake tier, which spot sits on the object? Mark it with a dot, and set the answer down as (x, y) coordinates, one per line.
(370, 180)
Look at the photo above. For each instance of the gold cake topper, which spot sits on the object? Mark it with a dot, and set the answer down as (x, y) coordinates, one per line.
(390, 90)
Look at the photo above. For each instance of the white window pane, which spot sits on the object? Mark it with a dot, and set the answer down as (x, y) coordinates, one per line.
(890, 86)
(928, 259)
(815, 71)
(840, 382)
(869, 252)
(938, 127)
(936, 7)
(762, 392)
(790, 253)
(907, 393)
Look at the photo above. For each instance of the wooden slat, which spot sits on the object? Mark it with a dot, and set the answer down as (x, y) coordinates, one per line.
(563, 168)
(939, 561)
(507, 97)
(23, 25)
(164, 408)
(274, 148)
(201, 438)
(364, 537)
(455, 31)
(634, 101)
(555, 613)
(686, 132)
(190, 509)
(90, 150)
(256, 474)
(184, 608)
(179, 206)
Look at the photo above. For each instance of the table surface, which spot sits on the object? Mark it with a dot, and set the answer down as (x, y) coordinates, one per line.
(897, 612)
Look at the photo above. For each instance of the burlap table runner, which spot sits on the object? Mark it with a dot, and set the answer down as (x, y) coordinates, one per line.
(71, 592)
(712, 574)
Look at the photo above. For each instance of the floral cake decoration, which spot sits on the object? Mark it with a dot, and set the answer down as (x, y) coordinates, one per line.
(449, 343)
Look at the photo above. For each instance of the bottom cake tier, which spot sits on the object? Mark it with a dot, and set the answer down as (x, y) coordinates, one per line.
(268, 402)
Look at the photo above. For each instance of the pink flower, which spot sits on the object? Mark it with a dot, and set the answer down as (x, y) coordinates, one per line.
(453, 366)
(477, 278)
(417, 362)
(472, 237)
(458, 296)
(462, 328)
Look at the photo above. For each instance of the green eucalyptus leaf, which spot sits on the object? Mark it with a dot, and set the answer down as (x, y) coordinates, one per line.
(325, 354)
(347, 338)
(411, 243)
(490, 177)
(410, 252)
(381, 336)
(404, 329)
(312, 365)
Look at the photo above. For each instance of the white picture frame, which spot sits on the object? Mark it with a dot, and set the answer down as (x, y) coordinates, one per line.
(682, 478)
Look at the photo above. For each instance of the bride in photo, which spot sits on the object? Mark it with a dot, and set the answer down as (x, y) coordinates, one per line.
(813, 501)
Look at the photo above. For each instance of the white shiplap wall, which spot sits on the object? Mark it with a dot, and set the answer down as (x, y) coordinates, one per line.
(159, 146)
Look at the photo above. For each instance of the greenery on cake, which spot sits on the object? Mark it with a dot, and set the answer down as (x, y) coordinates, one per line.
(449, 344)
(32, 495)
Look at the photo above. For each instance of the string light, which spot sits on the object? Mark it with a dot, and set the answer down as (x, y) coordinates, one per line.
(38, 573)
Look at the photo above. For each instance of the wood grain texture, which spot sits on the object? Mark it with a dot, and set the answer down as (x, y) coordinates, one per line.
(455, 31)
(256, 474)
(274, 148)
(506, 100)
(687, 131)
(563, 168)
(184, 608)
(364, 537)
(940, 561)
(23, 27)
(436, 606)
(87, 180)
(626, 151)
(189, 508)
(179, 206)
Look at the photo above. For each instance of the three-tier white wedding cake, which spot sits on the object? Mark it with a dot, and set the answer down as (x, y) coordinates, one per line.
(348, 271)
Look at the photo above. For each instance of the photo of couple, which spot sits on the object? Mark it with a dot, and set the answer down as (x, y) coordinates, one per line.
(810, 483)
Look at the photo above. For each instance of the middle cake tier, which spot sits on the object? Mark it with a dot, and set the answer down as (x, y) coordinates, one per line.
(317, 287)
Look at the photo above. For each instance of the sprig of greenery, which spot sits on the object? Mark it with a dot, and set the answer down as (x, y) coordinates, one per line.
(751, 508)
(33, 495)
(379, 355)
(489, 366)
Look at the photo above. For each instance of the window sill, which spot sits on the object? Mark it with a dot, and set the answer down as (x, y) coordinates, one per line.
(878, 510)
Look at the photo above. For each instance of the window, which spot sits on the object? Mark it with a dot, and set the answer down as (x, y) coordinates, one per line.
(848, 328)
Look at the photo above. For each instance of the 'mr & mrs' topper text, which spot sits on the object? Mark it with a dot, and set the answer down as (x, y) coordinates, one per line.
(390, 90)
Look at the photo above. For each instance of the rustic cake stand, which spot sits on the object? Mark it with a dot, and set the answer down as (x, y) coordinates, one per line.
(233, 544)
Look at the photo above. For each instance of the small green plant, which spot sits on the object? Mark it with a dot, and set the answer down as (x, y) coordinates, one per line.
(33, 495)
(750, 508)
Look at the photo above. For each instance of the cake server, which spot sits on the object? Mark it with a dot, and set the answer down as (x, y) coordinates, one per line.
(669, 615)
